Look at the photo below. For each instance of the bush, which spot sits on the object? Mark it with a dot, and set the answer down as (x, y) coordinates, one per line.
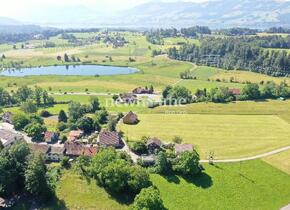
(139, 147)
(148, 199)
(45, 113)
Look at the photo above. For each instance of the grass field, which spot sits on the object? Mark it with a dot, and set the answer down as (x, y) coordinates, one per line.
(228, 136)
(280, 161)
(244, 76)
(250, 185)
(268, 107)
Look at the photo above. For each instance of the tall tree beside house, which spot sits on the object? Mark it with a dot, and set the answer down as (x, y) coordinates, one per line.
(12, 168)
(20, 120)
(95, 104)
(38, 92)
(86, 124)
(162, 165)
(75, 111)
(62, 116)
(36, 182)
(112, 123)
(187, 164)
(35, 131)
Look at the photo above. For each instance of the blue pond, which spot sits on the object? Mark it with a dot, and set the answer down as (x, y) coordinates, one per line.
(78, 70)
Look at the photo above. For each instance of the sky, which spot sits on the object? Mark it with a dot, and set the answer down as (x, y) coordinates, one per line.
(24, 8)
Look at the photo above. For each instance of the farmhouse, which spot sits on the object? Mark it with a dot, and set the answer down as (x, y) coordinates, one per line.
(130, 118)
(55, 153)
(180, 148)
(74, 135)
(75, 149)
(8, 138)
(40, 149)
(153, 144)
(109, 139)
(7, 117)
(50, 137)
(128, 98)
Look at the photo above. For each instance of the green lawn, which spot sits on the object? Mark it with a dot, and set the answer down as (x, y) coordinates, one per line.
(228, 136)
(250, 185)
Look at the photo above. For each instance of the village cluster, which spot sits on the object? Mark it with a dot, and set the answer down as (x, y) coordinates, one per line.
(77, 142)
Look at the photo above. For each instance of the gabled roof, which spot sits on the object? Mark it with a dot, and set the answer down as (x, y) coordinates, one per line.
(40, 148)
(57, 150)
(109, 138)
(78, 149)
(73, 135)
(7, 137)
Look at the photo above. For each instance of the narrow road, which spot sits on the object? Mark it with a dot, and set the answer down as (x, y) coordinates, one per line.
(249, 158)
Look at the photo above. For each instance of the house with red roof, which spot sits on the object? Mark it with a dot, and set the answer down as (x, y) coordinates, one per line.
(108, 138)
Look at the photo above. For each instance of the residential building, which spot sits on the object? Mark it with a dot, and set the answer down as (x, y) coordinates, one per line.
(108, 138)
(153, 144)
(180, 148)
(8, 138)
(51, 137)
(74, 135)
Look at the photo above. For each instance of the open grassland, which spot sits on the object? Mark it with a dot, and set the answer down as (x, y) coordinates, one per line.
(267, 107)
(228, 136)
(79, 194)
(250, 185)
(239, 186)
(246, 76)
(280, 161)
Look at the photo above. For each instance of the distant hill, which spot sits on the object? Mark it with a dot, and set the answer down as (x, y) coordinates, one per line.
(216, 14)
(8, 21)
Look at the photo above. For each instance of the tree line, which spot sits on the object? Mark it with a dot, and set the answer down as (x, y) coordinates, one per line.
(234, 54)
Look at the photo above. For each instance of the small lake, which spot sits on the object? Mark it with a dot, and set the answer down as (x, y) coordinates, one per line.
(77, 70)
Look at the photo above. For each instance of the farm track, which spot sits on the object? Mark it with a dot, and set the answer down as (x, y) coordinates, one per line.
(267, 154)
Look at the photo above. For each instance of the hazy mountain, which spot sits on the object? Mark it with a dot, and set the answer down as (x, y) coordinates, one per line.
(8, 21)
(216, 14)
(157, 13)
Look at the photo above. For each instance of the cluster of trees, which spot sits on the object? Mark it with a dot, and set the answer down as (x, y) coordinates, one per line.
(187, 75)
(32, 124)
(157, 36)
(279, 30)
(194, 31)
(25, 94)
(115, 172)
(270, 90)
(66, 58)
(176, 95)
(233, 53)
(237, 31)
(22, 171)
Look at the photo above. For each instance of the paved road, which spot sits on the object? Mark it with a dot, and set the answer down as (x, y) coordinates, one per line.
(250, 158)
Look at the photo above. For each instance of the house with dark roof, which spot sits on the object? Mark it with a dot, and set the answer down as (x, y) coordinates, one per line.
(75, 149)
(8, 138)
(40, 148)
(128, 98)
(50, 153)
(51, 137)
(56, 153)
(130, 118)
(7, 117)
(108, 138)
(153, 144)
(180, 148)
